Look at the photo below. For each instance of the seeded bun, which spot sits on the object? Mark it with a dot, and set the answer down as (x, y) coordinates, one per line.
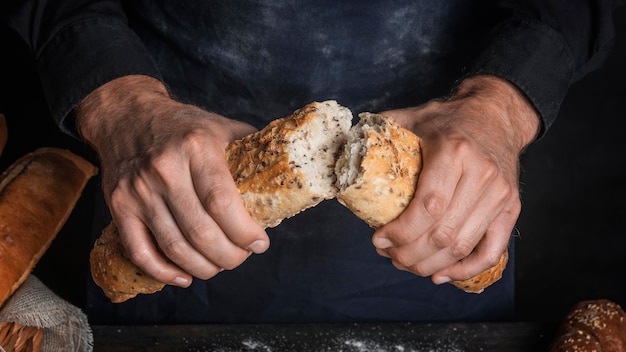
(592, 326)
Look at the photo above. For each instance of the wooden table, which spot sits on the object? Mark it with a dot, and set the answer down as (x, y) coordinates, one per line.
(394, 337)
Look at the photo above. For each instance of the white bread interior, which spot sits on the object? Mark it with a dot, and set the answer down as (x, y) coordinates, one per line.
(378, 168)
(289, 165)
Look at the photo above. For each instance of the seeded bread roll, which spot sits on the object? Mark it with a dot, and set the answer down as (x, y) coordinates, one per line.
(592, 326)
(280, 171)
(377, 173)
(37, 194)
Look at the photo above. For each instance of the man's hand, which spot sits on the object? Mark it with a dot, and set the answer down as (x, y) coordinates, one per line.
(166, 181)
(467, 200)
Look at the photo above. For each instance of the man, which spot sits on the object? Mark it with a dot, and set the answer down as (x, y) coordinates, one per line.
(161, 97)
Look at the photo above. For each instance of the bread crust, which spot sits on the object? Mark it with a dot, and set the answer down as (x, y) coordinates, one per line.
(270, 181)
(388, 172)
(592, 326)
(274, 186)
(37, 195)
(113, 271)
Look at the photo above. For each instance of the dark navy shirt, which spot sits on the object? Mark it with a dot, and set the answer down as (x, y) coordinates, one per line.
(257, 61)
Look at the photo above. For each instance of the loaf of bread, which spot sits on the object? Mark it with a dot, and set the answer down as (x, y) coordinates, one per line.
(592, 326)
(281, 170)
(293, 164)
(289, 165)
(37, 195)
(377, 173)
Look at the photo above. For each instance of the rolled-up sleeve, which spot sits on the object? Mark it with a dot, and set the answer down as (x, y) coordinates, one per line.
(544, 46)
(78, 46)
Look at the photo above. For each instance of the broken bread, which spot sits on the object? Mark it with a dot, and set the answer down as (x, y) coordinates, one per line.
(281, 170)
(377, 173)
(293, 164)
(289, 165)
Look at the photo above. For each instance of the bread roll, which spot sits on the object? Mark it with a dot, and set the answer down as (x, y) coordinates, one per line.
(37, 195)
(281, 170)
(377, 173)
(592, 326)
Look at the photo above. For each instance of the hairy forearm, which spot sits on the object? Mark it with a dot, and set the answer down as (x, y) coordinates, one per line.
(520, 116)
(103, 112)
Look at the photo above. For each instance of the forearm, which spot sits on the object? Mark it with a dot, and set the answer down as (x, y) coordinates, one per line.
(105, 110)
(515, 111)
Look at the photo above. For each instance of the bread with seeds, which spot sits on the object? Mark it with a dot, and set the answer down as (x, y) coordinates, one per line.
(281, 170)
(592, 326)
(377, 173)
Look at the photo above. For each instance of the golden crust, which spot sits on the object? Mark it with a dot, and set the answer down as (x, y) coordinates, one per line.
(478, 283)
(37, 194)
(112, 270)
(593, 325)
(387, 181)
(388, 173)
(271, 184)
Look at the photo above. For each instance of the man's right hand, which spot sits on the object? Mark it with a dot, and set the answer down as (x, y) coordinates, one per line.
(166, 181)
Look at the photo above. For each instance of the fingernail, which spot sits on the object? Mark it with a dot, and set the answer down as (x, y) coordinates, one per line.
(382, 243)
(181, 282)
(258, 246)
(441, 280)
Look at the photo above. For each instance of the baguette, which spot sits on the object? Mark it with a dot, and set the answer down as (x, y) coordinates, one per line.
(593, 325)
(293, 164)
(37, 195)
(281, 170)
(377, 173)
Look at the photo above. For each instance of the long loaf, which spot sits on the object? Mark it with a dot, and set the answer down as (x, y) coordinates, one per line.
(37, 195)
(293, 164)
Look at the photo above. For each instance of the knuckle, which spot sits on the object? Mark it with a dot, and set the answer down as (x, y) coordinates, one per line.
(492, 258)
(195, 140)
(140, 257)
(175, 249)
(434, 205)
(490, 170)
(461, 248)
(442, 236)
(404, 258)
(218, 201)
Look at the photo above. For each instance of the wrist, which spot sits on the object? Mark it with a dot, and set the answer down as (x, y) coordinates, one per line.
(516, 112)
(106, 108)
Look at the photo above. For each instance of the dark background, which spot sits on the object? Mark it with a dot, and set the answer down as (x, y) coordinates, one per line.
(573, 222)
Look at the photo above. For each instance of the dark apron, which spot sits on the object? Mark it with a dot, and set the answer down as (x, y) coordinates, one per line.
(257, 62)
